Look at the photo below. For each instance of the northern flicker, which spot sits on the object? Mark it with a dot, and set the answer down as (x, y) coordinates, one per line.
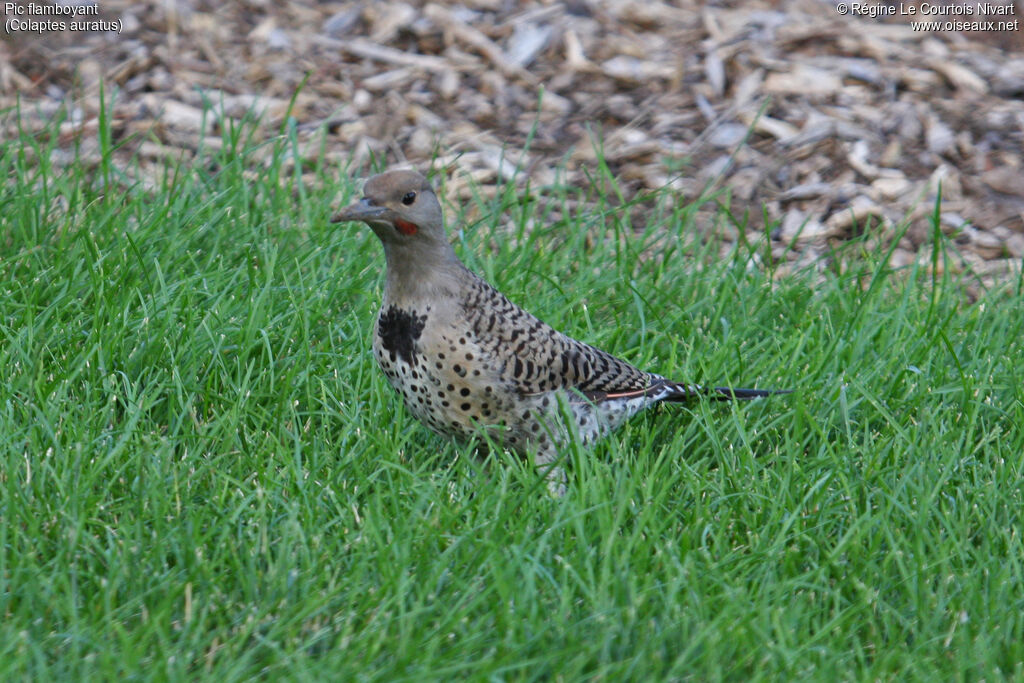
(465, 358)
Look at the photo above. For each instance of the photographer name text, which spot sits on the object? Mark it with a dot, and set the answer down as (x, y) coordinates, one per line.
(979, 16)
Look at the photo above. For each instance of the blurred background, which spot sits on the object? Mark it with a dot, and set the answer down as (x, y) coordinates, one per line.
(807, 123)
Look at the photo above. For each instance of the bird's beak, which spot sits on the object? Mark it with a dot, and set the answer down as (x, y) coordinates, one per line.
(362, 210)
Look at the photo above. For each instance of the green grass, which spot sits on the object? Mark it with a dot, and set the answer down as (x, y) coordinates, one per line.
(203, 475)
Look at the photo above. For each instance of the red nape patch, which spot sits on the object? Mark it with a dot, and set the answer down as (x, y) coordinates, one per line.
(406, 228)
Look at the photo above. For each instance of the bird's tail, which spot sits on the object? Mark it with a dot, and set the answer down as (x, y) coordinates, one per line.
(677, 392)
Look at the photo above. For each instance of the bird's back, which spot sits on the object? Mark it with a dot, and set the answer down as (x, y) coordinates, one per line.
(534, 356)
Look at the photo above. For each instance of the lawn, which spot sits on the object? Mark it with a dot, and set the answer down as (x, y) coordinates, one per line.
(204, 476)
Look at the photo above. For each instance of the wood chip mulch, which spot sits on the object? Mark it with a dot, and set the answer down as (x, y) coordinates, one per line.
(817, 126)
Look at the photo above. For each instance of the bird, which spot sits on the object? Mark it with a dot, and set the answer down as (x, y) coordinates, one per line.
(466, 360)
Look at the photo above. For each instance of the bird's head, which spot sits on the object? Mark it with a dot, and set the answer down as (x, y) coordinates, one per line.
(402, 209)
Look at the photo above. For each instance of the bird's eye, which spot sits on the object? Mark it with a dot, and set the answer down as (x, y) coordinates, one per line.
(409, 198)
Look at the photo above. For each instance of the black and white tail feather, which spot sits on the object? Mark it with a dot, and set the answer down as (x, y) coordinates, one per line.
(665, 390)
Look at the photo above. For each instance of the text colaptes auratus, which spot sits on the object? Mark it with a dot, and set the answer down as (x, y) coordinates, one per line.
(463, 357)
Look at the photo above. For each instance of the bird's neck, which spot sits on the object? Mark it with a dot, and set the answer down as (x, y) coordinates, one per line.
(421, 272)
